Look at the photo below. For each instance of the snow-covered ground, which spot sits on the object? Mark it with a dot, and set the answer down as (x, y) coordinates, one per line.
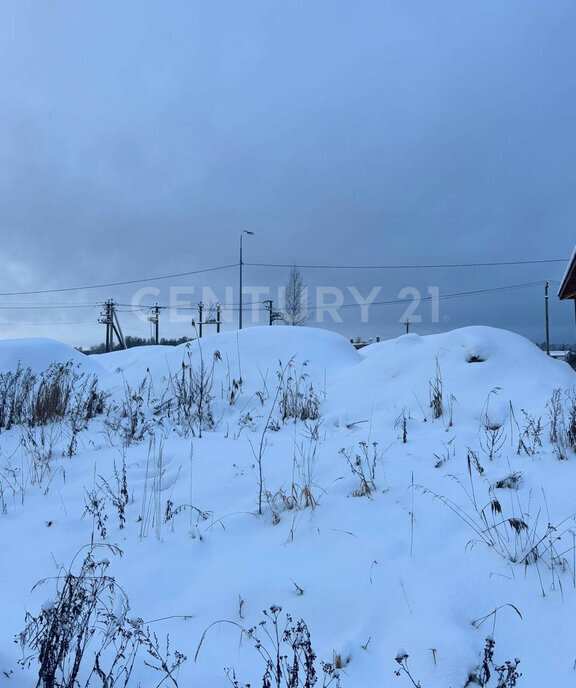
(383, 527)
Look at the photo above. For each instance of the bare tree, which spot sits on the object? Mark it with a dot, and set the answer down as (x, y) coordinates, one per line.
(296, 302)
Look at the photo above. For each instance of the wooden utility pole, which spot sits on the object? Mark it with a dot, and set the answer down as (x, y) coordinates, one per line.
(200, 323)
(268, 307)
(155, 320)
(108, 322)
(218, 316)
(547, 319)
(242, 233)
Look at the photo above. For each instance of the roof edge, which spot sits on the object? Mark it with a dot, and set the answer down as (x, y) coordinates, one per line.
(569, 272)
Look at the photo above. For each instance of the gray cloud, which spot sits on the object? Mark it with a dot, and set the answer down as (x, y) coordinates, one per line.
(140, 138)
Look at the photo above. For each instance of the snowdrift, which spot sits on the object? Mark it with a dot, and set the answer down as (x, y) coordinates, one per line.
(469, 363)
(39, 353)
(415, 494)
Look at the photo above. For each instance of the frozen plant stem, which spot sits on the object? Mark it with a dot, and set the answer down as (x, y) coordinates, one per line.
(402, 659)
(259, 455)
(412, 516)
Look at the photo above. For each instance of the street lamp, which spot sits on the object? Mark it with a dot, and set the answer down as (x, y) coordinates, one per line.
(242, 233)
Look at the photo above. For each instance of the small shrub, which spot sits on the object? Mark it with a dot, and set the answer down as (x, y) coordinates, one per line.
(298, 399)
(491, 434)
(118, 492)
(402, 423)
(515, 536)
(95, 506)
(287, 653)
(530, 437)
(38, 446)
(16, 390)
(61, 391)
(127, 421)
(492, 440)
(562, 413)
(505, 675)
(304, 462)
(363, 463)
(233, 387)
(191, 401)
(84, 635)
(270, 424)
(279, 501)
(435, 385)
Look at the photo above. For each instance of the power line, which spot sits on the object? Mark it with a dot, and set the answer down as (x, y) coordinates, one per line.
(47, 307)
(283, 265)
(454, 295)
(489, 290)
(391, 302)
(132, 308)
(405, 267)
(40, 324)
(278, 265)
(118, 284)
(233, 307)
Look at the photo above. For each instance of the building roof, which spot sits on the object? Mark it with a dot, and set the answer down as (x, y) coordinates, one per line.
(568, 285)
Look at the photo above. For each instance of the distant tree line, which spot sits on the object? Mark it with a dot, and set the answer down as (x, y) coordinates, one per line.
(559, 347)
(132, 342)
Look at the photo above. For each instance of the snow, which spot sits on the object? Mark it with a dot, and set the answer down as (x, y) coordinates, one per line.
(368, 574)
(567, 270)
(395, 374)
(39, 353)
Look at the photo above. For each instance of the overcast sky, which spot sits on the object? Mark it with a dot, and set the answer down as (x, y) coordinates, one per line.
(138, 138)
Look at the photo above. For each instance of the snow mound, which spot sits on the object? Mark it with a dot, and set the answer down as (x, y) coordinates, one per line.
(252, 354)
(471, 365)
(39, 353)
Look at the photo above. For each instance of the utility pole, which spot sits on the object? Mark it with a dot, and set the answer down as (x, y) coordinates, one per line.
(200, 323)
(546, 299)
(268, 305)
(155, 319)
(110, 319)
(116, 327)
(208, 319)
(407, 326)
(242, 233)
(106, 319)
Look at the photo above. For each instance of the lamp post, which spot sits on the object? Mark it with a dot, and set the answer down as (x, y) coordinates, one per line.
(242, 233)
(546, 298)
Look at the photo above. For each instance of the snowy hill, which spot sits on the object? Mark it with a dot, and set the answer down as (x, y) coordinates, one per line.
(414, 496)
